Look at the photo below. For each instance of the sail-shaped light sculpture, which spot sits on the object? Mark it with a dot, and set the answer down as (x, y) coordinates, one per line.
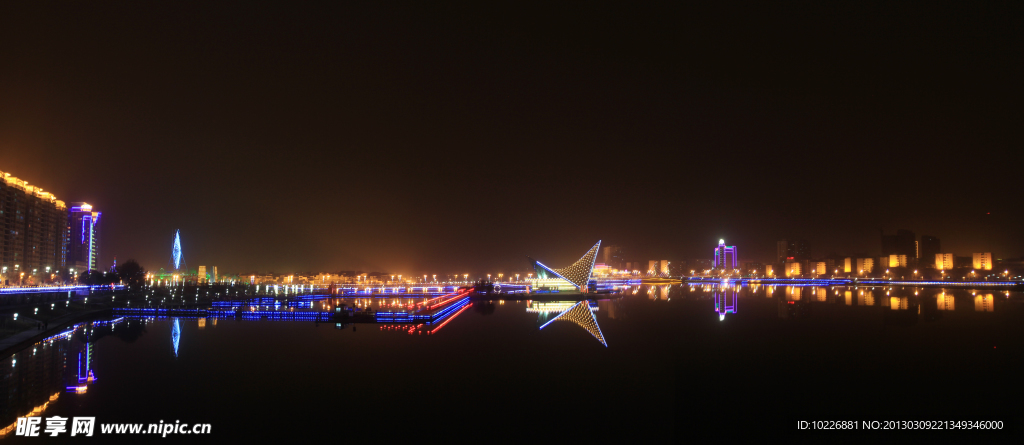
(176, 250)
(577, 273)
(581, 315)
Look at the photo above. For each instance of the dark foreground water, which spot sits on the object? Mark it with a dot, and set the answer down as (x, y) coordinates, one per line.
(680, 362)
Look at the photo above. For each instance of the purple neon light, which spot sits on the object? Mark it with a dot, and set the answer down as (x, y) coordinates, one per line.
(722, 255)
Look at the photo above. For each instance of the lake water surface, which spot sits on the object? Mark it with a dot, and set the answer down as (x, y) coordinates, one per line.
(664, 361)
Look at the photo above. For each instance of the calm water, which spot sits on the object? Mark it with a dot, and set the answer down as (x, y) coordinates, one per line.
(680, 361)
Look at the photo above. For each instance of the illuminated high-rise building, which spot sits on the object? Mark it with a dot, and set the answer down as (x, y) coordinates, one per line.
(725, 256)
(793, 269)
(944, 261)
(613, 256)
(897, 260)
(865, 265)
(816, 267)
(983, 261)
(792, 250)
(83, 237)
(32, 247)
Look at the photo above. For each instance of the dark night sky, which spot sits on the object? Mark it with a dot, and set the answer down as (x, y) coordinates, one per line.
(423, 138)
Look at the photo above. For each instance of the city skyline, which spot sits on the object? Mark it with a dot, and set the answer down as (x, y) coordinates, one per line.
(641, 198)
(317, 152)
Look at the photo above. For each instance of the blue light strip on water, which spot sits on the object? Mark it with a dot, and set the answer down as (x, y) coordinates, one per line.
(43, 289)
(429, 318)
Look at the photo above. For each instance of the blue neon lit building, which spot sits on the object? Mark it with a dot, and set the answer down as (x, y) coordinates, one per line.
(83, 237)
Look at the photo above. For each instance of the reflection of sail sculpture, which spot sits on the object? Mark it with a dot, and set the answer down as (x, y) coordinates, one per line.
(581, 315)
(175, 335)
(725, 302)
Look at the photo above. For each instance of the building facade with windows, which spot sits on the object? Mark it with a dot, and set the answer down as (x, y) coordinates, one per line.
(32, 249)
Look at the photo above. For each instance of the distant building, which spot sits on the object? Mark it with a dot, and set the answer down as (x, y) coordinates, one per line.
(769, 270)
(793, 269)
(678, 268)
(929, 247)
(904, 242)
(201, 276)
(865, 265)
(613, 256)
(83, 241)
(897, 260)
(699, 266)
(659, 268)
(944, 261)
(752, 267)
(983, 261)
(725, 257)
(213, 275)
(817, 267)
(792, 250)
(848, 264)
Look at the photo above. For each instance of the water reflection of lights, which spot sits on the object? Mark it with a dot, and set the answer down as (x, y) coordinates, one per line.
(984, 303)
(35, 412)
(553, 306)
(725, 303)
(175, 335)
(581, 315)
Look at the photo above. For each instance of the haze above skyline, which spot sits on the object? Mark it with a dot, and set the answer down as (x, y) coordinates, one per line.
(460, 138)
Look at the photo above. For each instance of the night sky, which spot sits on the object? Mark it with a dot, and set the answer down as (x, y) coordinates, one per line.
(458, 138)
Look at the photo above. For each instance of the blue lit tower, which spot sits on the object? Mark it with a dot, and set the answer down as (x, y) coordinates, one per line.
(176, 256)
(83, 237)
(725, 256)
